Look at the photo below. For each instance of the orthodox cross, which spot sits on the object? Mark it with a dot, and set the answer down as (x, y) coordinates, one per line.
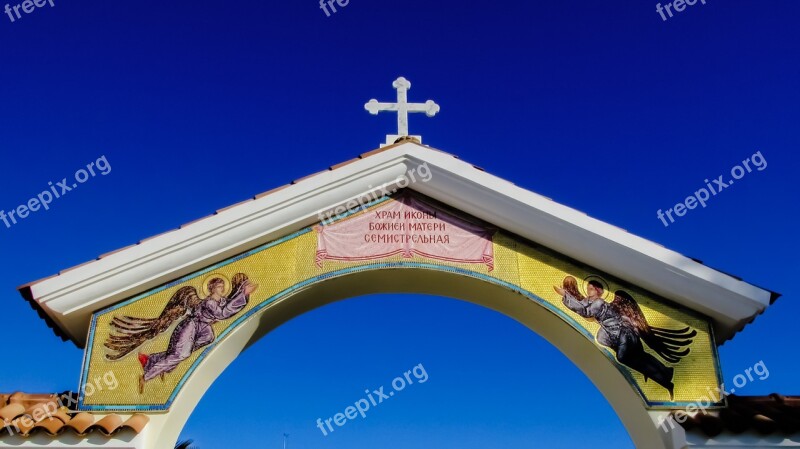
(403, 107)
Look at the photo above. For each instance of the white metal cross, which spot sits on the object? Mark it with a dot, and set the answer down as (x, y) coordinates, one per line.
(403, 107)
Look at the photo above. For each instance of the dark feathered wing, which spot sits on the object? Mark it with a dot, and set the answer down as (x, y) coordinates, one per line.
(132, 332)
(670, 344)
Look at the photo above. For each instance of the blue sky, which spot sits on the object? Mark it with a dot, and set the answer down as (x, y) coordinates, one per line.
(602, 106)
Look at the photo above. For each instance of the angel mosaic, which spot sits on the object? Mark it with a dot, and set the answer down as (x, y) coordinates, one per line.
(624, 329)
(195, 316)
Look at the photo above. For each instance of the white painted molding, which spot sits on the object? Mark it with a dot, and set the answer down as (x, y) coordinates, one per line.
(70, 298)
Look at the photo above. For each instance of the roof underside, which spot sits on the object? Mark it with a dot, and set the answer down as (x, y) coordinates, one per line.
(67, 300)
(765, 415)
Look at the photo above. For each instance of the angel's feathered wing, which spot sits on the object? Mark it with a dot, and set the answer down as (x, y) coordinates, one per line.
(132, 332)
(670, 344)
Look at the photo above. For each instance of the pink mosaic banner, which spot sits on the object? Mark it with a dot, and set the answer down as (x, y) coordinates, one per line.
(405, 226)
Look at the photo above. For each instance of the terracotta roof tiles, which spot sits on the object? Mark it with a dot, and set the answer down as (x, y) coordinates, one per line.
(271, 191)
(763, 414)
(197, 220)
(297, 181)
(249, 200)
(27, 414)
(342, 164)
(103, 256)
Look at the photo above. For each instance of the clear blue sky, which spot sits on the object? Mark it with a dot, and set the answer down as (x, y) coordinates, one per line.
(601, 106)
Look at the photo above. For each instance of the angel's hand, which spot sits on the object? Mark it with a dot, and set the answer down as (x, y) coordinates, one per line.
(559, 290)
(249, 287)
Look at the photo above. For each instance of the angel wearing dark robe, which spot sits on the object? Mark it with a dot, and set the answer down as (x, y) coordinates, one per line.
(193, 332)
(624, 328)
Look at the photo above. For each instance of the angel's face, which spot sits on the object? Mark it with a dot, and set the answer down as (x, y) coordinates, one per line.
(218, 289)
(593, 292)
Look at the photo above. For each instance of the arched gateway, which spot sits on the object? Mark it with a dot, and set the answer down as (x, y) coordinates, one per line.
(165, 317)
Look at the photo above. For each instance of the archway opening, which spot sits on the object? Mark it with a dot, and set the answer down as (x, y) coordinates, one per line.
(582, 353)
(484, 379)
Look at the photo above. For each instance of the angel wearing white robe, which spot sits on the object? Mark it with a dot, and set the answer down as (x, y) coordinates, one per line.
(192, 333)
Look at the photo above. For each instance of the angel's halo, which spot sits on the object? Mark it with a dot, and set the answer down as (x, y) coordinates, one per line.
(207, 279)
(594, 277)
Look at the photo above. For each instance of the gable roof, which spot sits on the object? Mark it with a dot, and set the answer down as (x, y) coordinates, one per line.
(68, 299)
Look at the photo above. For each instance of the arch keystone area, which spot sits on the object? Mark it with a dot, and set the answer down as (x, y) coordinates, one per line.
(165, 317)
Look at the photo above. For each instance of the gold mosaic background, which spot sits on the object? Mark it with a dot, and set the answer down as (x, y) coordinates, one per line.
(278, 267)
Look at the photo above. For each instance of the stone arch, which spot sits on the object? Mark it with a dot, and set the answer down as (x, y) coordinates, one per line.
(677, 291)
(164, 429)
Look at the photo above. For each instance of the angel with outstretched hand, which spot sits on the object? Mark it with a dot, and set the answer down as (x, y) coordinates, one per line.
(193, 332)
(624, 328)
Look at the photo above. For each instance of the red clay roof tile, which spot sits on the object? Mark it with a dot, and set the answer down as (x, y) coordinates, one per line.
(198, 220)
(102, 256)
(763, 414)
(26, 414)
(157, 236)
(219, 211)
(297, 181)
(76, 267)
(271, 191)
(342, 164)
(108, 424)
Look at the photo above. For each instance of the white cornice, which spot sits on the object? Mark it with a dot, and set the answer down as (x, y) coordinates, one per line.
(70, 298)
